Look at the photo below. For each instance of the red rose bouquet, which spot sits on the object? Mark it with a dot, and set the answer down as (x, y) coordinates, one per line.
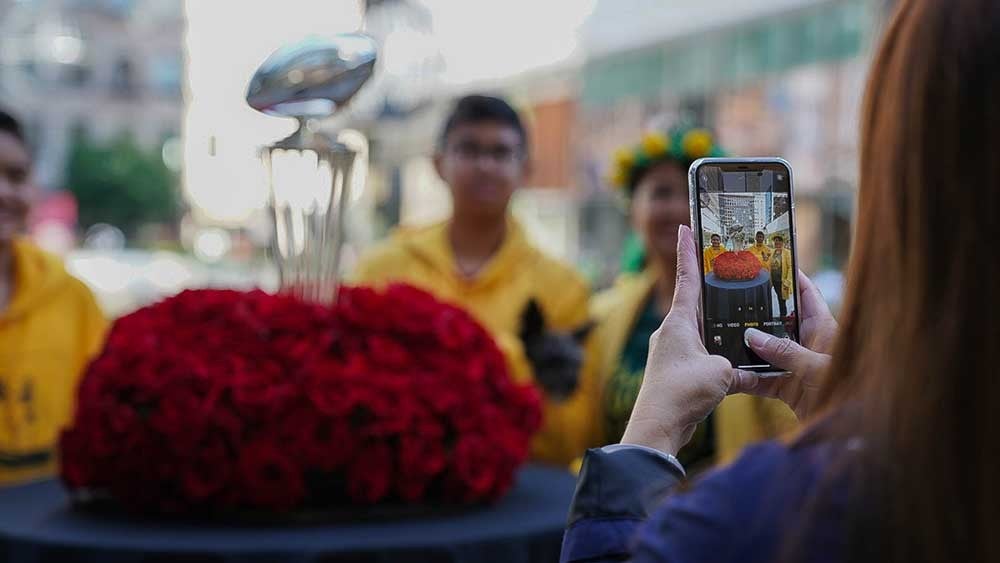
(220, 401)
(736, 266)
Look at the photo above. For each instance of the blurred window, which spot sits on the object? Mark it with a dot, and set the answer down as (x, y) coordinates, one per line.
(76, 75)
(123, 78)
(165, 75)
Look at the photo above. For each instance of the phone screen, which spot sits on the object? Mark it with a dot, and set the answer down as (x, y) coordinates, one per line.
(745, 232)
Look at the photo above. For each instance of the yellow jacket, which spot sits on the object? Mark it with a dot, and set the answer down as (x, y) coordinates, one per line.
(711, 253)
(785, 262)
(740, 419)
(763, 253)
(48, 333)
(497, 297)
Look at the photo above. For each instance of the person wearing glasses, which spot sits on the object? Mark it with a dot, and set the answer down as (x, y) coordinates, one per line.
(481, 259)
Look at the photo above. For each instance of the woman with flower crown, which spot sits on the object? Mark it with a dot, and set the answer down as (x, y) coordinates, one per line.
(652, 178)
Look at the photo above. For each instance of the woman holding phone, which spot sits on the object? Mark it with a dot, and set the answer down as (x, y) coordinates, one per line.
(652, 178)
(900, 459)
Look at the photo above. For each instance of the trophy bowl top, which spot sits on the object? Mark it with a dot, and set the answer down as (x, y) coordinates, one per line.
(312, 78)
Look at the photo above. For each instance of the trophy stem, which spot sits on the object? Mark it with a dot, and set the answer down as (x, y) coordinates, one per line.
(343, 200)
(310, 179)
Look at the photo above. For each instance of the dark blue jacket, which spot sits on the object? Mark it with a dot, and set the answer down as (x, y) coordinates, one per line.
(629, 507)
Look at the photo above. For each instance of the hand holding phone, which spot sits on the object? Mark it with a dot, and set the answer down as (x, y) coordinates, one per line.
(806, 363)
(742, 216)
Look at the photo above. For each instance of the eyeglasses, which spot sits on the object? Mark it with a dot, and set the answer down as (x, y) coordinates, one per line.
(500, 154)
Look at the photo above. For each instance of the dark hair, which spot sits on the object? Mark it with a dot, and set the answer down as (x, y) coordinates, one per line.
(777, 238)
(10, 125)
(715, 235)
(639, 173)
(761, 233)
(915, 355)
(477, 108)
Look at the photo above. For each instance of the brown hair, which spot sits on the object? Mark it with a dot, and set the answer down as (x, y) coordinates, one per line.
(917, 353)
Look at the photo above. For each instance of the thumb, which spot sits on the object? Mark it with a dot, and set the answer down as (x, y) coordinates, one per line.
(687, 288)
(743, 382)
(783, 353)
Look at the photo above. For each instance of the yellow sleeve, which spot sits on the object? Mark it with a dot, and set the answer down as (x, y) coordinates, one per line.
(786, 273)
(707, 259)
(591, 386)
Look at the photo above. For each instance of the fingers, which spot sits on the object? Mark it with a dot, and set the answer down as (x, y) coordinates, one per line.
(813, 304)
(687, 289)
(784, 353)
(743, 382)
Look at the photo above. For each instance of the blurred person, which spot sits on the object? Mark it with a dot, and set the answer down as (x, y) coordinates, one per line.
(50, 327)
(781, 273)
(899, 460)
(481, 259)
(712, 251)
(652, 176)
(761, 250)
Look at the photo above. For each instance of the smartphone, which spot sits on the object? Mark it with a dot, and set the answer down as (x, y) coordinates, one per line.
(742, 214)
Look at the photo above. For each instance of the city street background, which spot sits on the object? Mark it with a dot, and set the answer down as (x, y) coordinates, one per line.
(147, 154)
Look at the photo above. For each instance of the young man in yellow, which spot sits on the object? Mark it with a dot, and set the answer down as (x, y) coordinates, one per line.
(761, 250)
(781, 273)
(481, 259)
(653, 177)
(50, 327)
(713, 251)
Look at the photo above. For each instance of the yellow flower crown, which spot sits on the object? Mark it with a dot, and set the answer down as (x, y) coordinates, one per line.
(684, 145)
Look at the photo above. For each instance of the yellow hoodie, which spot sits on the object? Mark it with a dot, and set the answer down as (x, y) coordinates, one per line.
(763, 253)
(497, 297)
(48, 333)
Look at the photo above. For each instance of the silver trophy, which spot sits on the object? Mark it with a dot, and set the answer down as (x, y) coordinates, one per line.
(309, 172)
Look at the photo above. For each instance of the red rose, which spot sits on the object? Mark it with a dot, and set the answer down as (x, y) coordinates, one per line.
(75, 465)
(371, 474)
(388, 352)
(474, 468)
(453, 329)
(210, 470)
(318, 441)
(269, 478)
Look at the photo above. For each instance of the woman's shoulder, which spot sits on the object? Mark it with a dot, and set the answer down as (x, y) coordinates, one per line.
(755, 503)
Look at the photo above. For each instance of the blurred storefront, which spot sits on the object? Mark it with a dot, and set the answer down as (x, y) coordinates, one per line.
(782, 82)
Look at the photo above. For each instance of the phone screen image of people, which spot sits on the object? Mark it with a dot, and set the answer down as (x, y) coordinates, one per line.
(748, 261)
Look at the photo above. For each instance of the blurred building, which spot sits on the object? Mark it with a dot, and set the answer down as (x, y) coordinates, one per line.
(771, 77)
(101, 68)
